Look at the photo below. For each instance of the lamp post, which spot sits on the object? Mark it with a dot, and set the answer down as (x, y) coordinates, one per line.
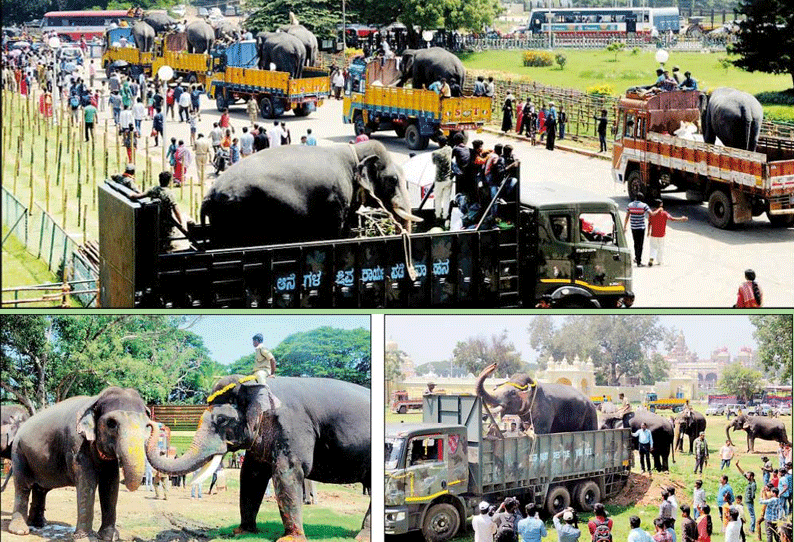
(549, 17)
(344, 28)
(165, 74)
(54, 43)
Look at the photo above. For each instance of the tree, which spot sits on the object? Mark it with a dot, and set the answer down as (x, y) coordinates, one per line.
(773, 334)
(21, 11)
(740, 381)
(766, 37)
(476, 353)
(615, 47)
(393, 375)
(24, 352)
(319, 16)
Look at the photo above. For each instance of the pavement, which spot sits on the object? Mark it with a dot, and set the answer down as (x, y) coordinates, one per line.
(703, 266)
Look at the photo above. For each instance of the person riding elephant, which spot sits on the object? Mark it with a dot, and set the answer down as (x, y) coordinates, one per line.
(200, 37)
(731, 115)
(320, 432)
(289, 184)
(81, 442)
(757, 427)
(225, 30)
(285, 51)
(11, 419)
(661, 430)
(549, 408)
(690, 423)
(426, 66)
(306, 36)
(143, 34)
(161, 22)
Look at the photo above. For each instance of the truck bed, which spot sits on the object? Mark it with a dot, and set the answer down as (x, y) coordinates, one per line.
(397, 102)
(314, 83)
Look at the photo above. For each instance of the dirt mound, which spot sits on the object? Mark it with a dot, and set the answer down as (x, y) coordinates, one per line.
(644, 489)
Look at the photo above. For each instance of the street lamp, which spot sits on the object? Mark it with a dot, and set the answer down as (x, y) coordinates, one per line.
(549, 17)
(54, 43)
(165, 74)
(344, 28)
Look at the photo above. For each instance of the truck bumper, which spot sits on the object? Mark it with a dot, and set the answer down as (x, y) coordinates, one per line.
(617, 176)
(396, 520)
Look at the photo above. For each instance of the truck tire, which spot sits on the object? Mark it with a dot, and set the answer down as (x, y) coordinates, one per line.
(220, 101)
(414, 140)
(587, 495)
(634, 183)
(402, 410)
(780, 221)
(266, 107)
(301, 110)
(192, 79)
(400, 131)
(557, 500)
(278, 107)
(441, 523)
(720, 210)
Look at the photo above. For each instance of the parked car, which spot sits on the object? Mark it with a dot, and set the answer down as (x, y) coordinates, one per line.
(70, 53)
(230, 11)
(764, 409)
(734, 409)
(715, 410)
(784, 410)
(202, 12)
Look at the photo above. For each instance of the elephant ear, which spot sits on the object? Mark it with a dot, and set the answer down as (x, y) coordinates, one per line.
(86, 422)
(366, 174)
(260, 401)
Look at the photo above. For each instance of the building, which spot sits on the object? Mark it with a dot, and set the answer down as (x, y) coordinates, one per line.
(707, 371)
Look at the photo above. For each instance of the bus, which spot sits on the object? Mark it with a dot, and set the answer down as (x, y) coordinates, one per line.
(83, 24)
(604, 21)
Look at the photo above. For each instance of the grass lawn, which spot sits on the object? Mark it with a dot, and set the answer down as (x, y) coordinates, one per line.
(641, 496)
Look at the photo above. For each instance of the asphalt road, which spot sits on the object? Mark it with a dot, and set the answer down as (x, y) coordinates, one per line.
(704, 266)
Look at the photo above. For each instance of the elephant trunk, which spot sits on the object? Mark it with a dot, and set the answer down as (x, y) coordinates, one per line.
(487, 397)
(201, 450)
(678, 437)
(728, 434)
(130, 454)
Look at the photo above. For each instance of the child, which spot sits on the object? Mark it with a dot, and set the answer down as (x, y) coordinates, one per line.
(234, 152)
(193, 126)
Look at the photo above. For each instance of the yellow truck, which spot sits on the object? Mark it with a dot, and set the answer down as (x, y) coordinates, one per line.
(373, 103)
(274, 92)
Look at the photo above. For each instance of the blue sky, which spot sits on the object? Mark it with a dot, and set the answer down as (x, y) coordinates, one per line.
(432, 338)
(229, 337)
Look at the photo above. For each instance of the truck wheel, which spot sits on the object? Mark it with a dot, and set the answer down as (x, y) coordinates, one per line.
(359, 126)
(266, 108)
(780, 221)
(402, 409)
(220, 101)
(441, 523)
(413, 139)
(587, 495)
(278, 107)
(720, 210)
(400, 131)
(301, 110)
(634, 183)
(557, 500)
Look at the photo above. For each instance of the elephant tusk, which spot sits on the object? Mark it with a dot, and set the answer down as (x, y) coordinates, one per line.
(208, 469)
(405, 215)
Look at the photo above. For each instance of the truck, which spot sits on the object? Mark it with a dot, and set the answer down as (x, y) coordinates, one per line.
(549, 252)
(401, 403)
(438, 471)
(169, 50)
(372, 103)
(653, 402)
(737, 184)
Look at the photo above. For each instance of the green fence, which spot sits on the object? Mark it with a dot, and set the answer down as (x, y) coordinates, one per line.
(15, 217)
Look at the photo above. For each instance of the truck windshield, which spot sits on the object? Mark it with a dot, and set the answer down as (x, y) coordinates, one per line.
(393, 452)
(597, 227)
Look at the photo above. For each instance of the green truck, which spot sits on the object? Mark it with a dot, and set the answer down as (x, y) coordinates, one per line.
(439, 470)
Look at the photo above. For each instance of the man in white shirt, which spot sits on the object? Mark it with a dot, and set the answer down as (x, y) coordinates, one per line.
(216, 136)
(698, 498)
(138, 113)
(274, 135)
(636, 534)
(125, 117)
(482, 525)
(246, 143)
(184, 106)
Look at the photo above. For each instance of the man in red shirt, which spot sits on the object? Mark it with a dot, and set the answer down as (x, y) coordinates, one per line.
(657, 227)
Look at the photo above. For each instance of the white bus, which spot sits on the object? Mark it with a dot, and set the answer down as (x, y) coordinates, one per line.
(604, 21)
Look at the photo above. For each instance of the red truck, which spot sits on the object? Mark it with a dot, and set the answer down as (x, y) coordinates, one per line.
(401, 403)
(737, 184)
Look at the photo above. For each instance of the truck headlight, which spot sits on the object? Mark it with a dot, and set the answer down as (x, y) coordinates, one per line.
(395, 517)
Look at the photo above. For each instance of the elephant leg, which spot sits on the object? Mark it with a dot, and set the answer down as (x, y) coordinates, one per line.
(288, 484)
(19, 520)
(365, 533)
(750, 444)
(86, 493)
(108, 497)
(254, 477)
(37, 502)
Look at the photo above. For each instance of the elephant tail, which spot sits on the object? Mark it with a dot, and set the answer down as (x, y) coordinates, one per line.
(753, 129)
(205, 210)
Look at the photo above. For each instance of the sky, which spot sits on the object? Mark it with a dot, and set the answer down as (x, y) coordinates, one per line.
(229, 337)
(432, 338)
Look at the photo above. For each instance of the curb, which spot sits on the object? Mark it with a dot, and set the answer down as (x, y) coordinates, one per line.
(565, 148)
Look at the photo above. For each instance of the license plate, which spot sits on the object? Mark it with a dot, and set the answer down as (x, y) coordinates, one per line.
(461, 126)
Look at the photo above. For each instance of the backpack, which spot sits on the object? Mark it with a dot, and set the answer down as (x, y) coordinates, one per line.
(74, 101)
(602, 532)
(507, 530)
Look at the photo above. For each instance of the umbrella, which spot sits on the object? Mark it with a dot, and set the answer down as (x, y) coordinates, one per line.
(69, 67)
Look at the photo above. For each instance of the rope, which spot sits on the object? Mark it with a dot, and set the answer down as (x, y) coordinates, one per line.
(226, 388)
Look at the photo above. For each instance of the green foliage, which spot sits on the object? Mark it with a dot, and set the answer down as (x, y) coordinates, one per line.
(475, 353)
(741, 381)
(601, 89)
(766, 37)
(724, 63)
(620, 346)
(773, 333)
(635, 51)
(19, 11)
(776, 98)
(615, 47)
(538, 58)
(561, 59)
(393, 360)
(327, 352)
(319, 16)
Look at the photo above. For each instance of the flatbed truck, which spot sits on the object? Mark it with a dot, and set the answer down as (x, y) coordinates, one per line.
(438, 471)
(545, 254)
(371, 104)
(401, 403)
(737, 184)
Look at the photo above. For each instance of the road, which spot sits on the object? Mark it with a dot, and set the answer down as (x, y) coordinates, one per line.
(703, 267)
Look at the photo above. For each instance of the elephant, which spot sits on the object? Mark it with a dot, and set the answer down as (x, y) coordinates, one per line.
(425, 66)
(550, 408)
(143, 34)
(200, 37)
(688, 422)
(284, 50)
(11, 418)
(306, 193)
(226, 30)
(306, 36)
(80, 442)
(757, 427)
(661, 430)
(321, 431)
(733, 116)
(161, 22)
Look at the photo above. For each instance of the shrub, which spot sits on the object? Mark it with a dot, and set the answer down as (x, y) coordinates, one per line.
(724, 62)
(537, 59)
(615, 47)
(635, 51)
(601, 89)
(561, 59)
(776, 98)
